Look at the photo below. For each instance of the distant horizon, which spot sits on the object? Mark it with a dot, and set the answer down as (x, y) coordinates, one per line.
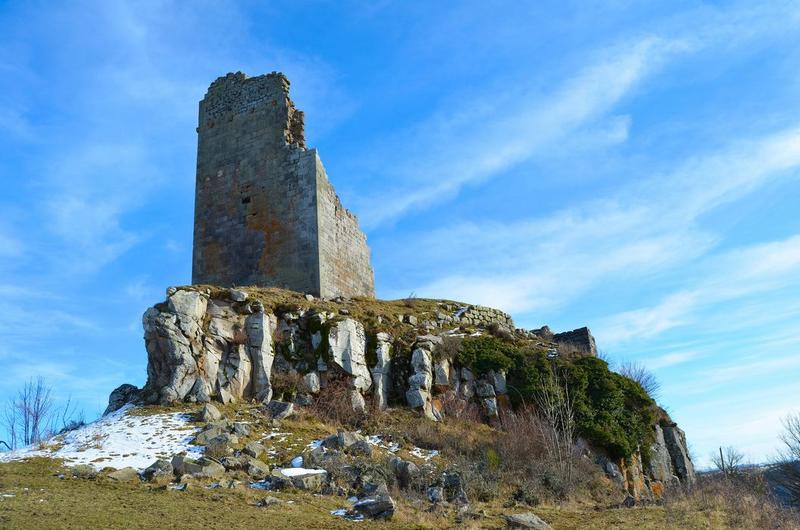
(630, 167)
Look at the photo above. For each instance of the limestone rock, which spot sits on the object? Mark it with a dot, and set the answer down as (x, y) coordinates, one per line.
(311, 382)
(357, 402)
(254, 449)
(347, 344)
(121, 396)
(260, 328)
(237, 295)
(342, 440)
(498, 379)
(203, 468)
(126, 474)
(681, 461)
(417, 398)
(527, 520)
(257, 469)
(441, 374)
(279, 410)
(660, 464)
(484, 389)
(158, 469)
(375, 507)
(209, 413)
(381, 372)
(404, 470)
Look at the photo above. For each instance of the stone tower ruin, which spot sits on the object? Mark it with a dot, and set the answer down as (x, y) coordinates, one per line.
(265, 212)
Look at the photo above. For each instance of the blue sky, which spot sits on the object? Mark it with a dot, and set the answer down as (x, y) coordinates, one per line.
(631, 166)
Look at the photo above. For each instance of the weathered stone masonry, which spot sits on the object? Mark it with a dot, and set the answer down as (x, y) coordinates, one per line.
(265, 212)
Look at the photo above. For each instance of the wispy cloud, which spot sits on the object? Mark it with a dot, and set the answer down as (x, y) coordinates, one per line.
(490, 134)
(743, 272)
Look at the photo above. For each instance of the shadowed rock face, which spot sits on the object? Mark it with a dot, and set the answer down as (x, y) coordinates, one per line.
(580, 339)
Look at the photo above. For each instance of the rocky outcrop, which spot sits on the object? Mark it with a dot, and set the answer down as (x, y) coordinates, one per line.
(382, 371)
(580, 340)
(228, 345)
(200, 348)
(347, 346)
(121, 396)
(675, 441)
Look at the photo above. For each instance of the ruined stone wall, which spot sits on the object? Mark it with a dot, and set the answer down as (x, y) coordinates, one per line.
(263, 201)
(344, 255)
(477, 315)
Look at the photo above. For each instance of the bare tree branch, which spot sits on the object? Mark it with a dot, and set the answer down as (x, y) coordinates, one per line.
(637, 372)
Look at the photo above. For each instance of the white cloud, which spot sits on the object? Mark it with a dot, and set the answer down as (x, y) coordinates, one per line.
(480, 139)
(743, 272)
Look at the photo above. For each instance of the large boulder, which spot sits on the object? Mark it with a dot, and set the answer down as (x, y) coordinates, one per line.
(347, 344)
(121, 396)
(126, 474)
(160, 469)
(200, 348)
(375, 507)
(526, 520)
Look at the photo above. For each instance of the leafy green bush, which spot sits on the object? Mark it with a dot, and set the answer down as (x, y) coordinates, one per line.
(484, 353)
(611, 411)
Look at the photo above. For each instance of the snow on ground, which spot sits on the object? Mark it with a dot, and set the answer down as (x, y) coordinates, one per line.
(118, 440)
(424, 454)
(378, 441)
(299, 471)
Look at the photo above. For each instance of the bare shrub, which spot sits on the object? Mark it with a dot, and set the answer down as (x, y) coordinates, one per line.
(285, 384)
(410, 301)
(33, 416)
(744, 500)
(499, 331)
(727, 460)
(449, 348)
(555, 408)
(461, 409)
(637, 372)
(788, 466)
(333, 404)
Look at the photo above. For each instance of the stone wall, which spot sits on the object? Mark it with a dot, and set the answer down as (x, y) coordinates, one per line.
(263, 202)
(344, 259)
(478, 315)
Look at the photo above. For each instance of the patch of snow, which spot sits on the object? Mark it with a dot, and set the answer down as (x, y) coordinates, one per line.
(118, 440)
(345, 513)
(424, 454)
(298, 471)
(260, 485)
(377, 441)
(315, 444)
(297, 461)
(352, 500)
(7, 495)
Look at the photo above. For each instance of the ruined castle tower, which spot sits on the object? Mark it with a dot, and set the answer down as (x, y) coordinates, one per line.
(265, 213)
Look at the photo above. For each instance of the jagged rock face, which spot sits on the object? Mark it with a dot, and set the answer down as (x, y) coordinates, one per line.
(382, 372)
(199, 348)
(682, 465)
(228, 348)
(347, 346)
